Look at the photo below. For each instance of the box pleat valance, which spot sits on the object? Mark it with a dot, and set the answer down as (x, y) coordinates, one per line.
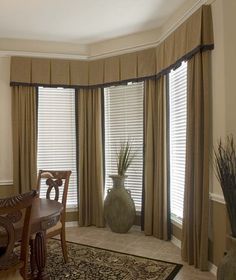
(195, 34)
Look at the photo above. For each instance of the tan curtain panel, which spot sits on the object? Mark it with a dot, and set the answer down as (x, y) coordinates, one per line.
(90, 157)
(195, 220)
(156, 204)
(24, 138)
(193, 35)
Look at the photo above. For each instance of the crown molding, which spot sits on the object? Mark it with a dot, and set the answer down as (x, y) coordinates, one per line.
(121, 51)
(111, 52)
(43, 55)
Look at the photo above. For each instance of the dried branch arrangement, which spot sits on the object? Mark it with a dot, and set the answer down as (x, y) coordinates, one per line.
(225, 166)
(124, 157)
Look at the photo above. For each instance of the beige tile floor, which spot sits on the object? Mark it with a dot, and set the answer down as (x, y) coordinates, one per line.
(135, 242)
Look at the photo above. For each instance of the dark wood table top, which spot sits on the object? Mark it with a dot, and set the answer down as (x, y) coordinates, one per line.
(45, 213)
(44, 208)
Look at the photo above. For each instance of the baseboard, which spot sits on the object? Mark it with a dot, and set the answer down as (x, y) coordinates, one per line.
(212, 268)
(217, 197)
(72, 224)
(176, 241)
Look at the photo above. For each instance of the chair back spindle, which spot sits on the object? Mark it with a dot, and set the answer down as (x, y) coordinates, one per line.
(15, 217)
(57, 182)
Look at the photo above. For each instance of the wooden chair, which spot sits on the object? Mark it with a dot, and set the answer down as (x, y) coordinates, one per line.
(15, 215)
(56, 181)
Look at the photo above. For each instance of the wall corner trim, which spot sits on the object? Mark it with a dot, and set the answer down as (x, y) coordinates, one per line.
(176, 241)
(217, 197)
(72, 224)
(212, 268)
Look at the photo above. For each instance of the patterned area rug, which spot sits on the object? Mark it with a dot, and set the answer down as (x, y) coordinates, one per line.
(90, 263)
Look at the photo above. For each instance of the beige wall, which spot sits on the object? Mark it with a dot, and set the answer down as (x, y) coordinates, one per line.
(229, 21)
(223, 112)
(223, 74)
(5, 123)
(218, 85)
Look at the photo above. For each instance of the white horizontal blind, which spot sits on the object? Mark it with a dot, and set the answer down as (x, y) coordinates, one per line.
(177, 125)
(57, 135)
(124, 120)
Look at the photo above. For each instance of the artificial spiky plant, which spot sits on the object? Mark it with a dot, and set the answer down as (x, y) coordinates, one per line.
(124, 157)
(225, 165)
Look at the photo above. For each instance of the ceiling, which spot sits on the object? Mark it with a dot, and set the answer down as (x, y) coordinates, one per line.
(81, 21)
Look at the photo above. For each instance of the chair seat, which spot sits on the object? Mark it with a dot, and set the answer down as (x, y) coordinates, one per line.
(3, 238)
(11, 262)
(10, 275)
(10, 268)
(54, 228)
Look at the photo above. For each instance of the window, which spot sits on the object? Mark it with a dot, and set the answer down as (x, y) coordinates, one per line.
(177, 138)
(124, 120)
(57, 135)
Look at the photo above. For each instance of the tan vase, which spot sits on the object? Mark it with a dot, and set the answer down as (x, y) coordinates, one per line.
(119, 208)
(227, 267)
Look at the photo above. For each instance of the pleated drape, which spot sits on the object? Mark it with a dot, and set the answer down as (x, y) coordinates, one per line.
(156, 201)
(195, 221)
(90, 157)
(24, 138)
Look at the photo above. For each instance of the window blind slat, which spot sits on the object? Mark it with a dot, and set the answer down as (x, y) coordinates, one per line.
(124, 120)
(57, 136)
(177, 125)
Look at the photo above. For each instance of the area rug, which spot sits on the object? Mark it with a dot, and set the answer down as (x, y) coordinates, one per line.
(91, 263)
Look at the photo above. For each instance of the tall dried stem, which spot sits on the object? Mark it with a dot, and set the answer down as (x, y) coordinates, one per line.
(225, 166)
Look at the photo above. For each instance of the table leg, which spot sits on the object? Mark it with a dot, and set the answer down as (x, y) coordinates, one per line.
(40, 255)
(33, 266)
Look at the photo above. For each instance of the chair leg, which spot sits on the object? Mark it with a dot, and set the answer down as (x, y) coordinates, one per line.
(63, 245)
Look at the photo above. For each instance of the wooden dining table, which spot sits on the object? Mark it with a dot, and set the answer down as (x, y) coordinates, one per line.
(45, 214)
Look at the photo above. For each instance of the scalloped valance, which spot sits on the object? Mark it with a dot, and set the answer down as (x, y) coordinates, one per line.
(194, 35)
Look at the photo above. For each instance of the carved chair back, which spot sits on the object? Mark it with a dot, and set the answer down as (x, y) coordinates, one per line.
(56, 182)
(15, 215)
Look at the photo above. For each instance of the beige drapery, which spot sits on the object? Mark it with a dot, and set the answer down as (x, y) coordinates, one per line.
(24, 138)
(156, 206)
(195, 221)
(90, 157)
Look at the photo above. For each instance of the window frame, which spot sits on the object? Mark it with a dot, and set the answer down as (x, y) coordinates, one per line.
(69, 207)
(139, 209)
(175, 219)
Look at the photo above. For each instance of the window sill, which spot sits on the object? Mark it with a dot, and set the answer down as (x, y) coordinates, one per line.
(71, 208)
(178, 222)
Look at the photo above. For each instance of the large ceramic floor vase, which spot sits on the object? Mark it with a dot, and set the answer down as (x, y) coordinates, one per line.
(227, 267)
(119, 207)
